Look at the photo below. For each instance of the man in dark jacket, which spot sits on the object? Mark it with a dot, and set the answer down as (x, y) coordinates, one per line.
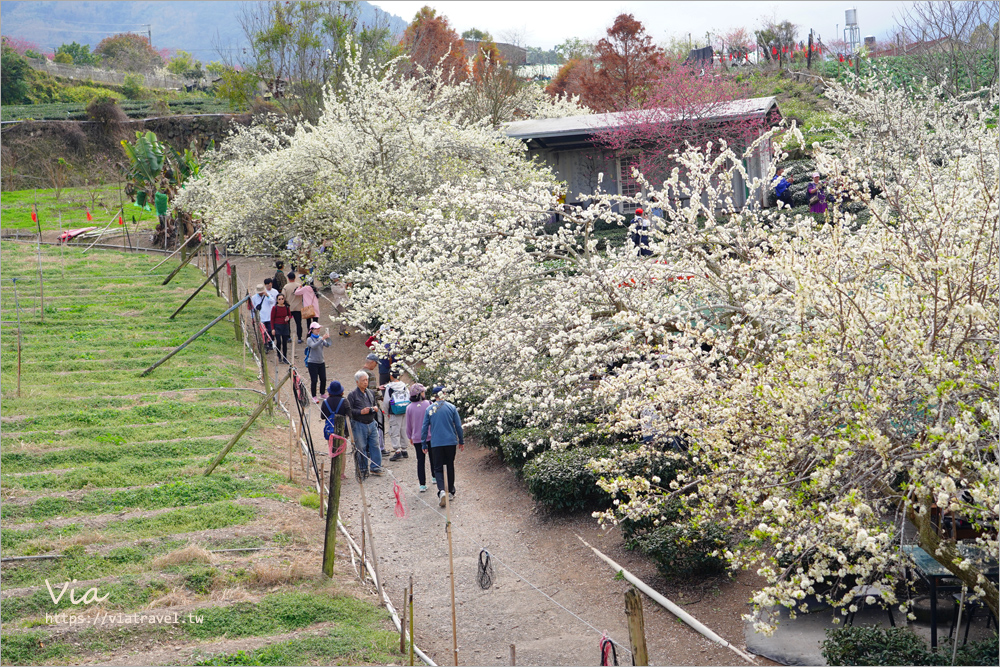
(363, 405)
(279, 281)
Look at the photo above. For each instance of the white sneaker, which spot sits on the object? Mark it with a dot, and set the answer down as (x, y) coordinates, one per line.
(442, 500)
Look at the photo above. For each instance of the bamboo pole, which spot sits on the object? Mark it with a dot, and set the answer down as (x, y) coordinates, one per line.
(179, 267)
(233, 291)
(213, 252)
(322, 485)
(451, 566)
(179, 249)
(413, 639)
(670, 606)
(41, 287)
(246, 425)
(291, 438)
(513, 656)
(192, 338)
(636, 627)
(62, 253)
(371, 538)
(333, 509)
(188, 300)
(402, 625)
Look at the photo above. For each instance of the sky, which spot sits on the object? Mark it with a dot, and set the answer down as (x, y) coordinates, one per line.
(545, 24)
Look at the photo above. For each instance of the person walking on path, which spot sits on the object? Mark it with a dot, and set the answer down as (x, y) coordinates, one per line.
(363, 408)
(262, 302)
(339, 300)
(279, 276)
(314, 359)
(294, 303)
(273, 293)
(394, 404)
(414, 421)
(310, 304)
(817, 195)
(443, 421)
(281, 316)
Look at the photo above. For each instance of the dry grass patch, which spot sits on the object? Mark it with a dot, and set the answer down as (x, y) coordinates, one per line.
(174, 598)
(192, 553)
(232, 594)
(265, 575)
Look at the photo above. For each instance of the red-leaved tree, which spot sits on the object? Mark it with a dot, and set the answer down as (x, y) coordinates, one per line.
(682, 106)
(626, 63)
(569, 79)
(21, 44)
(430, 41)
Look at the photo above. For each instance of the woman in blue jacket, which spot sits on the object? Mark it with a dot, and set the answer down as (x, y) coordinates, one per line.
(442, 423)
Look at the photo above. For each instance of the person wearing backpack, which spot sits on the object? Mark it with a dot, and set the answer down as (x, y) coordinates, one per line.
(314, 359)
(414, 420)
(335, 404)
(443, 421)
(394, 405)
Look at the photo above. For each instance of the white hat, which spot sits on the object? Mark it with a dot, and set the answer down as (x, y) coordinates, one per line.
(334, 276)
(260, 288)
(815, 174)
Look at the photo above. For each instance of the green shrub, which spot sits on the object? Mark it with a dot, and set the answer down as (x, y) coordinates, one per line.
(858, 645)
(561, 480)
(132, 87)
(683, 551)
(983, 652)
(310, 500)
(200, 581)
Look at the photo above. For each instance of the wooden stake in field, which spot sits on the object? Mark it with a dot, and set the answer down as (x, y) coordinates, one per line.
(233, 291)
(513, 655)
(243, 429)
(181, 249)
(214, 253)
(636, 627)
(193, 295)
(451, 567)
(192, 338)
(41, 287)
(179, 267)
(371, 541)
(62, 254)
(333, 509)
(402, 624)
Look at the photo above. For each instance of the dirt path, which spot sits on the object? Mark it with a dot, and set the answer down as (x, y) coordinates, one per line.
(494, 510)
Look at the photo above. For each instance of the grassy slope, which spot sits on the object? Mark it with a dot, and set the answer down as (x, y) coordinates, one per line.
(71, 205)
(88, 439)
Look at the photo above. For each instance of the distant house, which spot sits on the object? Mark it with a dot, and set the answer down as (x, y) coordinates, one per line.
(942, 45)
(569, 145)
(514, 55)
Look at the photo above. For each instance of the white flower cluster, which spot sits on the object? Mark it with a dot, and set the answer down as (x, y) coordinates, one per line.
(832, 379)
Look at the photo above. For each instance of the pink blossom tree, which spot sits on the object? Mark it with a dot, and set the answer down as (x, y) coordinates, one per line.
(683, 108)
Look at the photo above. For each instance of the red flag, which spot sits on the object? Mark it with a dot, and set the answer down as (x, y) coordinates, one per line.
(229, 269)
(120, 221)
(841, 56)
(89, 216)
(216, 254)
(34, 216)
(849, 63)
(774, 50)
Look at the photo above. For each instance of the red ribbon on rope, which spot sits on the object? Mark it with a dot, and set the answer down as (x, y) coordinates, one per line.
(229, 269)
(397, 491)
(216, 254)
(89, 216)
(34, 216)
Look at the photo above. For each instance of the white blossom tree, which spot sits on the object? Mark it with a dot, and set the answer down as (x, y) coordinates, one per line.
(383, 141)
(834, 381)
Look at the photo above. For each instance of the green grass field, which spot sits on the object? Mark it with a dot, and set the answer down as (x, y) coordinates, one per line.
(70, 208)
(106, 469)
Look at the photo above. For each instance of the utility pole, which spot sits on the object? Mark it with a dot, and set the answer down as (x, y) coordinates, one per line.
(149, 32)
(809, 54)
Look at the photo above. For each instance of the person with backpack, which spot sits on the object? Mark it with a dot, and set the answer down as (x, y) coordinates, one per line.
(443, 421)
(363, 406)
(394, 404)
(414, 420)
(280, 318)
(314, 359)
(279, 281)
(334, 404)
(262, 303)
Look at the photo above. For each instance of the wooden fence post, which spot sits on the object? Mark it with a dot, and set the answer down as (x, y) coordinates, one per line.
(333, 507)
(636, 627)
(215, 267)
(243, 429)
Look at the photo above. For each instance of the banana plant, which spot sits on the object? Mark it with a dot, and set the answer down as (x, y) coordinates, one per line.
(146, 160)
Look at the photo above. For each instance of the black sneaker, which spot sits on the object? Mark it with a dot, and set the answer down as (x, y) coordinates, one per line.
(406, 455)
(396, 456)
(299, 342)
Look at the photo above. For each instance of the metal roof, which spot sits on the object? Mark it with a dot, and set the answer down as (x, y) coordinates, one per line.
(572, 131)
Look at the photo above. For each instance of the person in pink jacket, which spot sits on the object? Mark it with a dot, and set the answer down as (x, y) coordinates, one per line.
(414, 421)
(310, 304)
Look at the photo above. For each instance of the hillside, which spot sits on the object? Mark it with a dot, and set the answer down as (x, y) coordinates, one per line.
(190, 26)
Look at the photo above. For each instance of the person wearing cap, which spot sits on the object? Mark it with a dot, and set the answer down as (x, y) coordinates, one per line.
(817, 195)
(640, 237)
(339, 299)
(364, 406)
(279, 279)
(334, 404)
(314, 358)
(443, 421)
(780, 183)
(371, 363)
(414, 421)
(394, 404)
(262, 303)
(294, 303)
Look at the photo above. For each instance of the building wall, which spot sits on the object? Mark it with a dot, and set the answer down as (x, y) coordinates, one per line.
(160, 79)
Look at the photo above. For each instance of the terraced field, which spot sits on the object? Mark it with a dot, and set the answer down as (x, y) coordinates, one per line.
(105, 470)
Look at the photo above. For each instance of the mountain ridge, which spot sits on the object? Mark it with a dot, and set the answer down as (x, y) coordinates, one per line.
(195, 27)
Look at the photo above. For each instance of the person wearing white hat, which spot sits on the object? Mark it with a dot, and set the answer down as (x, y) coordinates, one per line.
(314, 359)
(816, 194)
(262, 302)
(339, 300)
